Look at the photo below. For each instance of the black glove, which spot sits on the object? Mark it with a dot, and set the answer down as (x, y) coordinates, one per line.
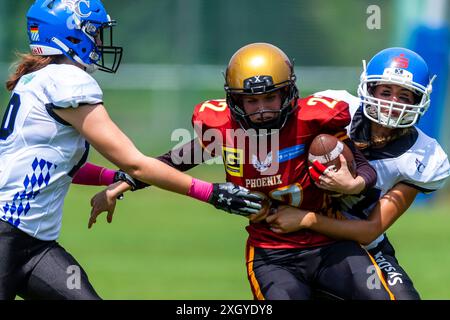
(134, 183)
(235, 199)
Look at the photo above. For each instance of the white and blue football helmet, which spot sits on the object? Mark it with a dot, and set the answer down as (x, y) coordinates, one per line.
(395, 66)
(75, 28)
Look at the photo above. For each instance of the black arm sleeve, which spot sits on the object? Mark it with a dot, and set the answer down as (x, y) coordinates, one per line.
(183, 158)
(363, 167)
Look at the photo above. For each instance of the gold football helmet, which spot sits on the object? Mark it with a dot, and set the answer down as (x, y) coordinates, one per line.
(260, 68)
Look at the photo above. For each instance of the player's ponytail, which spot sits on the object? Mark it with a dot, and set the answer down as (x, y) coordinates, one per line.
(28, 63)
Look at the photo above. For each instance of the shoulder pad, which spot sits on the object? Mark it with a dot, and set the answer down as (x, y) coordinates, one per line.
(70, 86)
(328, 113)
(212, 114)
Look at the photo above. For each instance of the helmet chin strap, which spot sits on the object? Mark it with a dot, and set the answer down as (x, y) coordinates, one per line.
(89, 68)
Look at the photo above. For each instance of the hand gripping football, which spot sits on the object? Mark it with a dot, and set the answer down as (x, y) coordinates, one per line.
(326, 149)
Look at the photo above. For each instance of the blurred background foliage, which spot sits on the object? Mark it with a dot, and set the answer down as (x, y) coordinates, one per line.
(319, 32)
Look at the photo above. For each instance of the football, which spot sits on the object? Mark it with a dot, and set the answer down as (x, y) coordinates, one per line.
(326, 149)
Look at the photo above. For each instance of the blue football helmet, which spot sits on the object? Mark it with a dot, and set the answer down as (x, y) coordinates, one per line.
(75, 28)
(395, 66)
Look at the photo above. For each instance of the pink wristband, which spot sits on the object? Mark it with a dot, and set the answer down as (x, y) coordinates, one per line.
(200, 190)
(107, 177)
(93, 175)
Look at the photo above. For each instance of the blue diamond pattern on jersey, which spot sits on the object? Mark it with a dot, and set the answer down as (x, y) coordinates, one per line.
(33, 183)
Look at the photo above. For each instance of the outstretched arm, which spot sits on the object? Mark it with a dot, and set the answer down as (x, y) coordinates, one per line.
(388, 209)
(94, 123)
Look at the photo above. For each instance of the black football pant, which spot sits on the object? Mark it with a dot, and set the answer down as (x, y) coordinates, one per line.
(342, 270)
(396, 278)
(36, 269)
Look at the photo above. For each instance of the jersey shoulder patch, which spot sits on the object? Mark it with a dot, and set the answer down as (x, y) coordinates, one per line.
(69, 86)
(212, 114)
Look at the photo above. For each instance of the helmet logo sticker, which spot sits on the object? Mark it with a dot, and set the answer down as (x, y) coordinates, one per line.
(34, 33)
(400, 62)
(75, 7)
(398, 73)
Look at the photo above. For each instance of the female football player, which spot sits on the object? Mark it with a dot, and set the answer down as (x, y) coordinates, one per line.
(262, 98)
(54, 114)
(394, 92)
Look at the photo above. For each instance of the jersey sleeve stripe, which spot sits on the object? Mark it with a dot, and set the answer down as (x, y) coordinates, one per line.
(49, 107)
(81, 162)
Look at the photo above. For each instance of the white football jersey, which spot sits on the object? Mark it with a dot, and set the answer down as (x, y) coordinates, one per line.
(40, 152)
(424, 166)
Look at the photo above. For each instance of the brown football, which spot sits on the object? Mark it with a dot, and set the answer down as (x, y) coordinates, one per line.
(326, 149)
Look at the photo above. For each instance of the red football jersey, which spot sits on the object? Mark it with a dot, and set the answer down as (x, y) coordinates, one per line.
(274, 165)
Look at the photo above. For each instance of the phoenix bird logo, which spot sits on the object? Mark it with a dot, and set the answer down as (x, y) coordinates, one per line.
(264, 165)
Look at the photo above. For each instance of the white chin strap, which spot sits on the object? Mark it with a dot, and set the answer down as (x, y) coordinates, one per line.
(89, 68)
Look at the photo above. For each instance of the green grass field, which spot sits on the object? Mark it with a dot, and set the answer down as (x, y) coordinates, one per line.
(164, 246)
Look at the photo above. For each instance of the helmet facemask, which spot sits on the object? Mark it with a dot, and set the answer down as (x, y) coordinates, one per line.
(104, 55)
(289, 95)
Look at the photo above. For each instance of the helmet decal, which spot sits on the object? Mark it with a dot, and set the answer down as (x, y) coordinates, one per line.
(400, 61)
(80, 8)
(34, 33)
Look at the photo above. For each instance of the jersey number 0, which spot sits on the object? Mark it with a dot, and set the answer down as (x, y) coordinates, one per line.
(10, 117)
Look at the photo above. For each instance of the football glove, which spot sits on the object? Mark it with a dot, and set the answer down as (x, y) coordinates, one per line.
(235, 199)
(134, 183)
(317, 169)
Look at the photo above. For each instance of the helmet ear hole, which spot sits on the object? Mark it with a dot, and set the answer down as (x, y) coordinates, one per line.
(74, 40)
